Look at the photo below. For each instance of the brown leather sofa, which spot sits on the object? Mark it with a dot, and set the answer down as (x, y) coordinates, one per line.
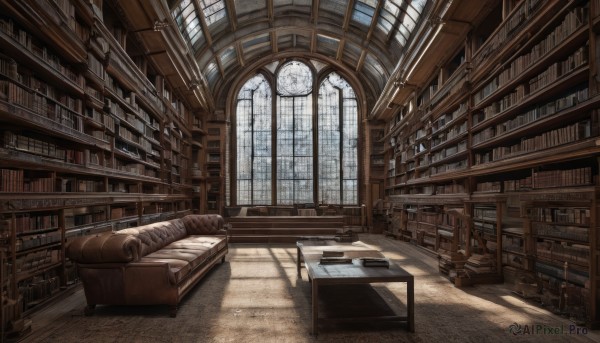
(155, 264)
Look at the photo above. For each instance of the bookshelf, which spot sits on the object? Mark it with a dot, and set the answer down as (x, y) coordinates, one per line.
(93, 138)
(494, 165)
(215, 162)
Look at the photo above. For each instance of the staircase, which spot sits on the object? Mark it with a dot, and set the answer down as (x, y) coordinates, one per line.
(282, 229)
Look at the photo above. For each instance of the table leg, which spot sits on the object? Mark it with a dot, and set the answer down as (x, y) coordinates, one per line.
(315, 307)
(298, 261)
(410, 306)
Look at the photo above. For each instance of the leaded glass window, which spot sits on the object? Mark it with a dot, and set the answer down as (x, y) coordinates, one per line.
(303, 172)
(186, 17)
(254, 153)
(338, 136)
(294, 134)
(214, 10)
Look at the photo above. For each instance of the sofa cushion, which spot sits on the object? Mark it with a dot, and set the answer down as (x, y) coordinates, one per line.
(207, 224)
(177, 268)
(157, 235)
(186, 254)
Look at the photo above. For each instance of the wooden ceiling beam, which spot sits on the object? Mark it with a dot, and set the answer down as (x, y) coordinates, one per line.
(314, 13)
(348, 15)
(203, 23)
(340, 51)
(231, 14)
(374, 19)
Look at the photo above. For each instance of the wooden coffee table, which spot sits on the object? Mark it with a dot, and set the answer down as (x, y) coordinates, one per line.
(311, 251)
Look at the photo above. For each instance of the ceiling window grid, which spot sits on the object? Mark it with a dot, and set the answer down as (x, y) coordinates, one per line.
(395, 18)
(186, 17)
(214, 11)
(363, 12)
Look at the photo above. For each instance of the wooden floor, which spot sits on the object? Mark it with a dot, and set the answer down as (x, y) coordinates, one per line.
(256, 296)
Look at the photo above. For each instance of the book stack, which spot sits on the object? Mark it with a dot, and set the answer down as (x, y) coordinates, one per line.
(375, 262)
(480, 264)
(335, 257)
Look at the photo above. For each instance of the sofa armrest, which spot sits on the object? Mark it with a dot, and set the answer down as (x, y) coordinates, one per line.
(203, 224)
(104, 248)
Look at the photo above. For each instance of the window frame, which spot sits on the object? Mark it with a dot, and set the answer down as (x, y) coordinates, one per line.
(313, 98)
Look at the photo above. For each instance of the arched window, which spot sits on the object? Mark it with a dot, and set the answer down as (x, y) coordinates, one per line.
(338, 138)
(315, 146)
(294, 134)
(254, 142)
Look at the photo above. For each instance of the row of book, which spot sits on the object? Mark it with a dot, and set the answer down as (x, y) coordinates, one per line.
(575, 19)
(450, 151)
(484, 213)
(41, 105)
(40, 147)
(561, 231)
(38, 288)
(101, 118)
(569, 100)
(123, 212)
(563, 178)
(445, 119)
(455, 131)
(559, 69)
(33, 241)
(31, 222)
(36, 260)
(520, 16)
(72, 221)
(454, 166)
(566, 215)
(96, 67)
(492, 186)
(451, 188)
(564, 135)
(8, 27)
(539, 180)
(563, 273)
(513, 244)
(578, 254)
(26, 40)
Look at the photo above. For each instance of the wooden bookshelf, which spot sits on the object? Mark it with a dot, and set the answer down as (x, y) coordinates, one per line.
(215, 165)
(94, 138)
(498, 151)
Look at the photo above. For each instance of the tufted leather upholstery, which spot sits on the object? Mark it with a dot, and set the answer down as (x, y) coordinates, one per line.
(150, 264)
(210, 224)
(155, 236)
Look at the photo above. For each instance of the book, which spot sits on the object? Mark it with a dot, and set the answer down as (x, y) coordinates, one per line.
(336, 260)
(375, 262)
(333, 253)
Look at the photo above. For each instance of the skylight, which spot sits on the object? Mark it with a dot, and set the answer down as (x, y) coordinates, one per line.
(228, 56)
(186, 17)
(364, 11)
(214, 11)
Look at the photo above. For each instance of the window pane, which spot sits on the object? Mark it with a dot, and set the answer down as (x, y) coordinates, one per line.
(337, 152)
(338, 136)
(294, 134)
(214, 10)
(295, 78)
(254, 142)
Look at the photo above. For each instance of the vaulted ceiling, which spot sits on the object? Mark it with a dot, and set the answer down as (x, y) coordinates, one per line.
(364, 37)
(380, 42)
